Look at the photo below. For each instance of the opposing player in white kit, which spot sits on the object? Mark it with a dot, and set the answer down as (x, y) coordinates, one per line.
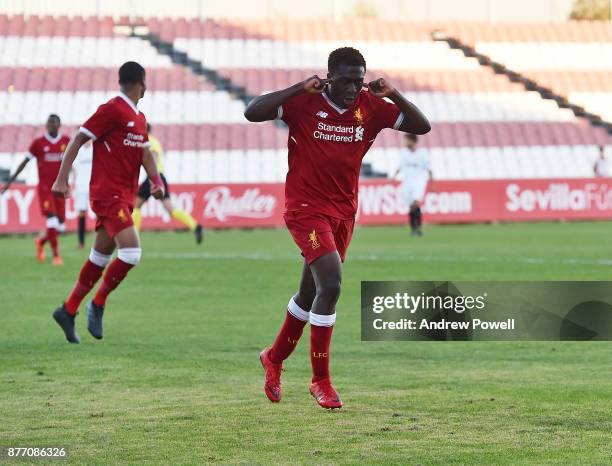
(601, 168)
(415, 172)
(82, 175)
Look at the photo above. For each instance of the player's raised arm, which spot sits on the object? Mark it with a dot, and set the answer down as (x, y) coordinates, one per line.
(20, 168)
(157, 184)
(265, 107)
(414, 121)
(61, 187)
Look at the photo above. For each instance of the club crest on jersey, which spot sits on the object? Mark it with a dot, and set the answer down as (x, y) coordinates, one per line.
(313, 240)
(358, 116)
(322, 114)
(130, 124)
(46, 149)
(121, 215)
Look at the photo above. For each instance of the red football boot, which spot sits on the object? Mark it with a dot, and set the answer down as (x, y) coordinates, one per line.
(325, 394)
(272, 385)
(40, 249)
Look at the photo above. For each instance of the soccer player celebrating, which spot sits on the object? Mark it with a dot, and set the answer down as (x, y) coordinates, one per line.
(416, 172)
(144, 192)
(332, 123)
(48, 150)
(120, 146)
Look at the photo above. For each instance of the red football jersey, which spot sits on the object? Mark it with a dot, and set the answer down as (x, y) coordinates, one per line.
(119, 132)
(326, 146)
(48, 152)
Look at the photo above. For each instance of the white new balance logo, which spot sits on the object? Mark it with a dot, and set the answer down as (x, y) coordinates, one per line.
(130, 124)
(322, 114)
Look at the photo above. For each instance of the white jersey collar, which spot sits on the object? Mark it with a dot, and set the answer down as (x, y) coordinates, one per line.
(129, 102)
(52, 140)
(333, 105)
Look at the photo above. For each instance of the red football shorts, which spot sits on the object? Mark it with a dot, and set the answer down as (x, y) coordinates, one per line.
(318, 234)
(51, 205)
(114, 216)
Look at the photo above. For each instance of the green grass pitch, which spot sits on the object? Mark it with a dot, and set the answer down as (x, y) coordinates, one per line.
(177, 378)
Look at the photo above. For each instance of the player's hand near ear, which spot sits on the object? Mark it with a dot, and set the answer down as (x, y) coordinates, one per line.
(380, 88)
(315, 85)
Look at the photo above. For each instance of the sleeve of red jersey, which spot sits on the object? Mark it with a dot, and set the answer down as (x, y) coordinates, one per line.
(388, 115)
(99, 123)
(288, 110)
(31, 151)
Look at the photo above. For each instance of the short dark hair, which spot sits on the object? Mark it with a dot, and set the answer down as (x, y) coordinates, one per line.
(131, 73)
(54, 115)
(345, 56)
(412, 137)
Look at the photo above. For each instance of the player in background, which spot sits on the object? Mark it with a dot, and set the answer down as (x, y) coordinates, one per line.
(144, 192)
(48, 150)
(82, 176)
(120, 146)
(415, 171)
(601, 168)
(332, 124)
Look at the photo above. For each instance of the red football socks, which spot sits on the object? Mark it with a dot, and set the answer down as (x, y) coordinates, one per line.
(90, 274)
(287, 338)
(321, 329)
(115, 273)
(52, 237)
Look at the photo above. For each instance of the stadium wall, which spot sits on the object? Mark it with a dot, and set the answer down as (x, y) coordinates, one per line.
(381, 202)
(415, 10)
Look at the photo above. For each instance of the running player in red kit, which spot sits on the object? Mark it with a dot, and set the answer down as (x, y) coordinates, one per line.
(120, 146)
(48, 150)
(332, 123)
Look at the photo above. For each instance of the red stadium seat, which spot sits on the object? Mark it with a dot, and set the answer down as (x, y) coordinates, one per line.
(237, 136)
(76, 27)
(16, 26)
(61, 26)
(46, 26)
(221, 137)
(174, 137)
(4, 25)
(106, 26)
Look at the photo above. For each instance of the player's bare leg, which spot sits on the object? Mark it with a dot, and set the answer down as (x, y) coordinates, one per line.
(308, 290)
(287, 339)
(39, 243)
(185, 218)
(57, 227)
(416, 219)
(51, 235)
(327, 275)
(136, 215)
(128, 255)
(82, 219)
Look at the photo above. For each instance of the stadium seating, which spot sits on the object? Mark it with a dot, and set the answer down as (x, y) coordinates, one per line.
(484, 125)
(572, 59)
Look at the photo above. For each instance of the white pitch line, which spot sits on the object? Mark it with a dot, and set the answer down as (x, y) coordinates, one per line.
(374, 257)
(263, 256)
